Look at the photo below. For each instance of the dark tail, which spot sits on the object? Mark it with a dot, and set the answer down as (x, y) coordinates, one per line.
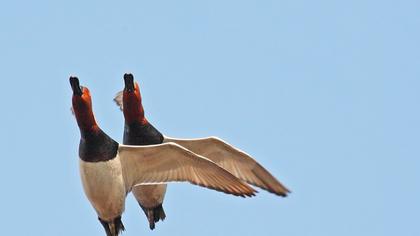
(113, 228)
(154, 215)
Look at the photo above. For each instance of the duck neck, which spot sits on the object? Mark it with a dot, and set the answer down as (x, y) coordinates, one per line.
(95, 145)
(86, 122)
(133, 109)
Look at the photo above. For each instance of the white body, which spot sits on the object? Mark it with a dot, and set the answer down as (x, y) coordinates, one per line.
(103, 183)
(106, 183)
(150, 196)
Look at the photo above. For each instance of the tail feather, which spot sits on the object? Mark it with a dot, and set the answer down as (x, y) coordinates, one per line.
(154, 215)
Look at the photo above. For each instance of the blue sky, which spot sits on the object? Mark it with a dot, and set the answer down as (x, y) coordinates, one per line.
(325, 94)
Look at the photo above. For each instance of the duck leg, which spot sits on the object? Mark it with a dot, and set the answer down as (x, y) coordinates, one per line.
(114, 227)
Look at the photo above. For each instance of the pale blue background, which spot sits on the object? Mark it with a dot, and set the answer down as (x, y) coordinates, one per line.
(325, 94)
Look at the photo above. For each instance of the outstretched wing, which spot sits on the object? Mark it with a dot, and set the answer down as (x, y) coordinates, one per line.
(233, 160)
(118, 99)
(154, 164)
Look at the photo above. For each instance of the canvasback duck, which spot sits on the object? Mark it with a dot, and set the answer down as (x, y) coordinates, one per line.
(110, 170)
(138, 131)
(236, 161)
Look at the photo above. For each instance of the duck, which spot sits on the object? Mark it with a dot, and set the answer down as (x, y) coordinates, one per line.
(139, 131)
(110, 170)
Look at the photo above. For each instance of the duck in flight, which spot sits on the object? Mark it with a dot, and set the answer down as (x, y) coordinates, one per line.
(138, 131)
(110, 170)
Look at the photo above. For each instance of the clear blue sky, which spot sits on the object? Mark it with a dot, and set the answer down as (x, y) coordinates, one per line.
(325, 94)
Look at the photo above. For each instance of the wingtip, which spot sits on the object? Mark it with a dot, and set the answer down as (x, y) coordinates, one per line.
(283, 193)
(118, 99)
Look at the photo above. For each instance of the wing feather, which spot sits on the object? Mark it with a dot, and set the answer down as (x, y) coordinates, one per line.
(235, 161)
(171, 162)
(118, 99)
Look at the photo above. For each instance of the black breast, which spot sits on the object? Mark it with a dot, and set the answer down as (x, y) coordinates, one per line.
(141, 134)
(97, 146)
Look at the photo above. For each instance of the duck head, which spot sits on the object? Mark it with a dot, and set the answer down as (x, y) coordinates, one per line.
(82, 106)
(132, 106)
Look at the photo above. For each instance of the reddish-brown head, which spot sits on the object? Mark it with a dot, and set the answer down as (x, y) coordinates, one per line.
(132, 107)
(82, 106)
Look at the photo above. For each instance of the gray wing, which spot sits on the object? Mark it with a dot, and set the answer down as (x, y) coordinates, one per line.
(169, 162)
(118, 99)
(235, 161)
